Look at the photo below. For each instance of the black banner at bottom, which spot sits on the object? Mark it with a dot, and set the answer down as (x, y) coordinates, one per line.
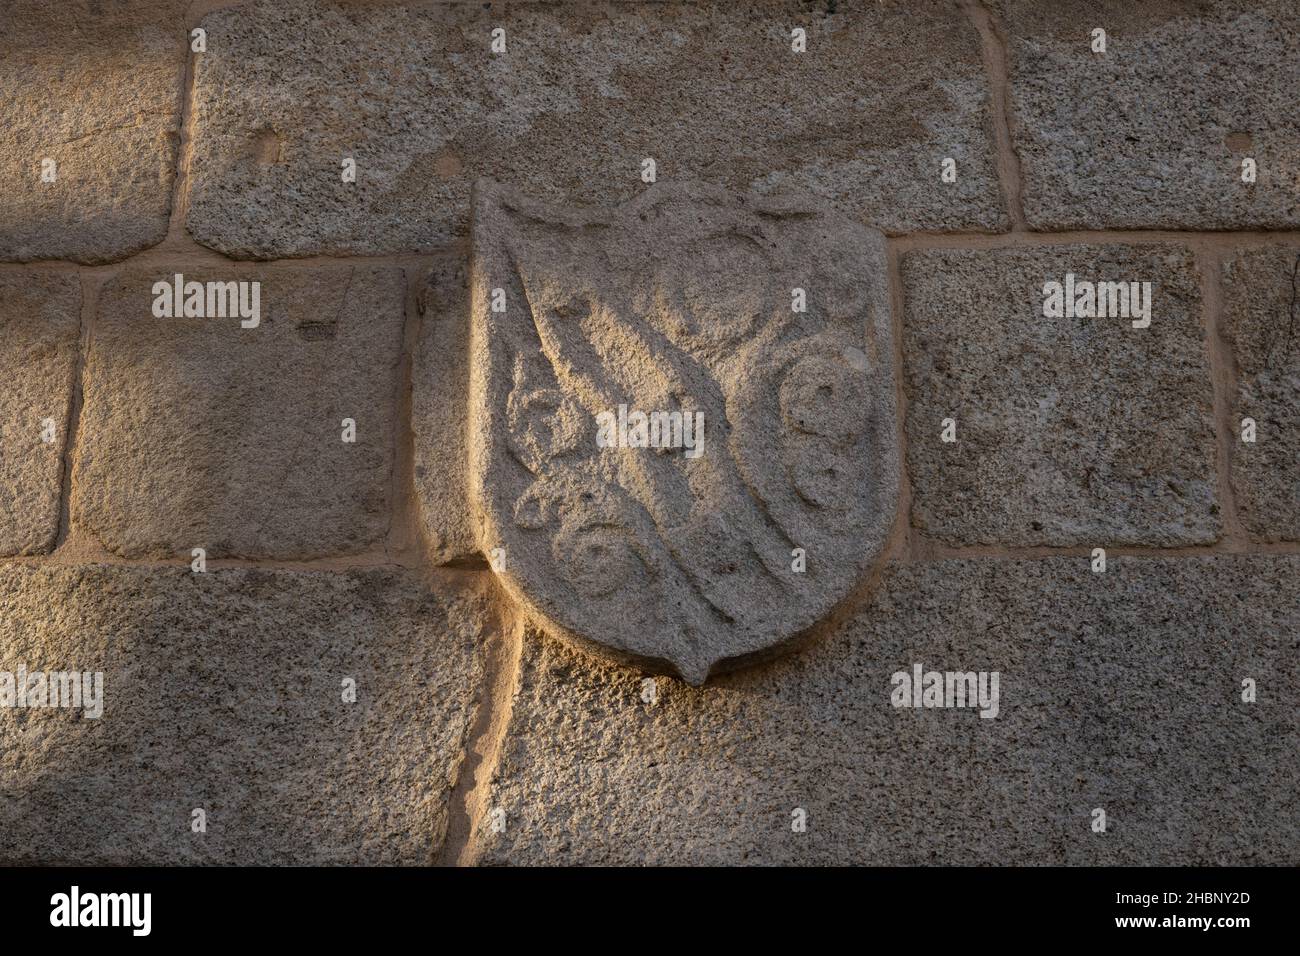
(949, 907)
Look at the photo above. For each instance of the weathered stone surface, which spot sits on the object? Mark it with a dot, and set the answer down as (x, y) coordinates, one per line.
(96, 87)
(581, 96)
(1261, 323)
(681, 554)
(1153, 132)
(1119, 690)
(1069, 430)
(197, 432)
(440, 393)
(40, 317)
(223, 691)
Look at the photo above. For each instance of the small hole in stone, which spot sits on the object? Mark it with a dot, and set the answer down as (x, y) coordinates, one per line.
(447, 165)
(1239, 142)
(268, 147)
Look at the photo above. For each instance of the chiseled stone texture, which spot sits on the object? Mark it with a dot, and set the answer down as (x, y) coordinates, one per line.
(440, 392)
(40, 318)
(1261, 323)
(197, 432)
(582, 95)
(1153, 132)
(97, 88)
(1070, 431)
(1118, 690)
(679, 554)
(223, 691)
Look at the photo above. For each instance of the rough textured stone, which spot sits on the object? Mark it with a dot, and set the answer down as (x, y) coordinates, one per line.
(1261, 324)
(223, 691)
(680, 302)
(1154, 131)
(96, 87)
(1119, 690)
(440, 393)
(583, 94)
(199, 433)
(40, 315)
(1069, 430)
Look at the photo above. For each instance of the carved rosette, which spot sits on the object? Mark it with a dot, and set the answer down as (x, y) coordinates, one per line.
(681, 301)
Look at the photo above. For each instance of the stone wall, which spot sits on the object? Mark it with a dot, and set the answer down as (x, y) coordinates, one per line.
(1161, 690)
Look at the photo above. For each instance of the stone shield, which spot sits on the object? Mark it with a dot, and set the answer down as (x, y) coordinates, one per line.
(769, 318)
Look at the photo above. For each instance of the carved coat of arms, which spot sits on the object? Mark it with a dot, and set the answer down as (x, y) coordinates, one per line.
(683, 432)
